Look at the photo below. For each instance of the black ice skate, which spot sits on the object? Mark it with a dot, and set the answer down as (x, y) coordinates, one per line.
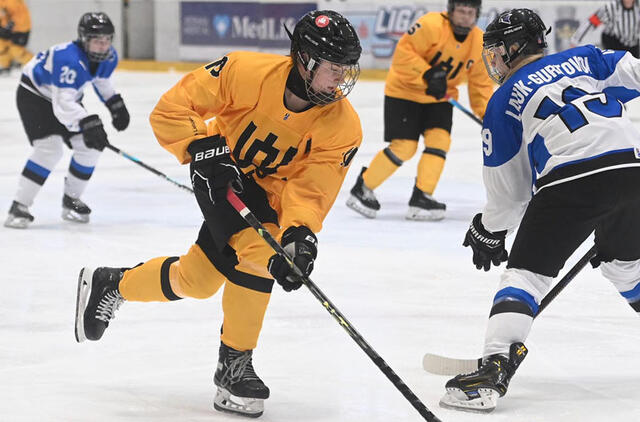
(479, 390)
(73, 209)
(19, 217)
(423, 206)
(362, 199)
(97, 301)
(240, 390)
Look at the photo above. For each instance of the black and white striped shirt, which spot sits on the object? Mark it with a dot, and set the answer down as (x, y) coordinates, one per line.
(619, 22)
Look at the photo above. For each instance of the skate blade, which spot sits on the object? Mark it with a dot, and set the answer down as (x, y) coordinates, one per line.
(84, 291)
(355, 204)
(224, 401)
(71, 215)
(456, 399)
(17, 222)
(420, 214)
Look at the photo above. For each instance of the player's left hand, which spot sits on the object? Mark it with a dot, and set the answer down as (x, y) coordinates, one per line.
(488, 247)
(119, 113)
(436, 79)
(302, 246)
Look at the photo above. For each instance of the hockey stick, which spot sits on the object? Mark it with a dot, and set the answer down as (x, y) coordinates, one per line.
(250, 218)
(442, 365)
(463, 109)
(148, 167)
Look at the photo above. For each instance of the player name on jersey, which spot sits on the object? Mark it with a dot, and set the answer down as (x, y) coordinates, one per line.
(520, 90)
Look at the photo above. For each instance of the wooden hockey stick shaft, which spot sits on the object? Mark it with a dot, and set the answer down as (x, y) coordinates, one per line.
(464, 109)
(251, 219)
(443, 365)
(146, 166)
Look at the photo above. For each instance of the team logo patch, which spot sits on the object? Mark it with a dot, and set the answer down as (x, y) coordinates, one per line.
(505, 18)
(322, 21)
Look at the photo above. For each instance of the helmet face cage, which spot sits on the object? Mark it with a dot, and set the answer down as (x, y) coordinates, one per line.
(497, 70)
(327, 46)
(346, 74)
(95, 25)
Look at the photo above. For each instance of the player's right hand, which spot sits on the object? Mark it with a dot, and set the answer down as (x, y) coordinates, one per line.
(212, 168)
(488, 247)
(93, 132)
(436, 79)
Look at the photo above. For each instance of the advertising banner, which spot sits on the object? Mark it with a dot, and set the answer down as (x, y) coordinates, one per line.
(380, 25)
(239, 24)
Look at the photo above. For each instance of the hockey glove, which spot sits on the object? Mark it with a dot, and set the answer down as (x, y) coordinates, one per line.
(212, 169)
(436, 79)
(5, 33)
(119, 112)
(20, 38)
(301, 245)
(93, 133)
(487, 247)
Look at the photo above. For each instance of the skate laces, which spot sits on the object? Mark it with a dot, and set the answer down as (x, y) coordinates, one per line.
(240, 368)
(108, 305)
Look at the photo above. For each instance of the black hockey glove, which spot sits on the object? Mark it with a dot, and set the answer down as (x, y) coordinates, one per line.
(301, 245)
(119, 112)
(487, 247)
(93, 133)
(20, 38)
(436, 79)
(5, 33)
(212, 169)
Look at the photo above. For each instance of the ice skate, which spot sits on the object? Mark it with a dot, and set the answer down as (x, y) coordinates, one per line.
(19, 216)
(73, 209)
(362, 199)
(240, 390)
(423, 207)
(479, 390)
(97, 301)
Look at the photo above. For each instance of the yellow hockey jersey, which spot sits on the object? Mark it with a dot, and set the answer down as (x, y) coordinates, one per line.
(429, 42)
(300, 159)
(14, 14)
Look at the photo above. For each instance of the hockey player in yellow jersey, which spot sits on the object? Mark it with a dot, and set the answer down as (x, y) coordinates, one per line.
(15, 26)
(283, 136)
(440, 51)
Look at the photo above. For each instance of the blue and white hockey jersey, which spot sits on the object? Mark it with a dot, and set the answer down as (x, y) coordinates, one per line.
(557, 119)
(61, 73)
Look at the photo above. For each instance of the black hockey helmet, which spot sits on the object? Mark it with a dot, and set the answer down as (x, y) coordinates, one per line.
(512, 34)
(92, 25)
(451, 4)
(325, 35)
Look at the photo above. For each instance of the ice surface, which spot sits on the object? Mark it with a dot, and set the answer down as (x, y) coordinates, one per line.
(408, 287)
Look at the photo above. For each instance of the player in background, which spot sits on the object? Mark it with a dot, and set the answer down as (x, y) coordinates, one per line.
(50, 105)
(621, 20)
(15, 26)
(440, 51)
(283, 136)
(561, 160)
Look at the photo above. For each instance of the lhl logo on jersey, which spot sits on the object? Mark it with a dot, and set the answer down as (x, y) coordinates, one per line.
(286, 116)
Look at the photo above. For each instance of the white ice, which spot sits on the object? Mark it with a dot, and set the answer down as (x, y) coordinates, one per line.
(407, 287)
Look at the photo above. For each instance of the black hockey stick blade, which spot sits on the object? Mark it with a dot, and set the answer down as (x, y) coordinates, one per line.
(443, 365)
